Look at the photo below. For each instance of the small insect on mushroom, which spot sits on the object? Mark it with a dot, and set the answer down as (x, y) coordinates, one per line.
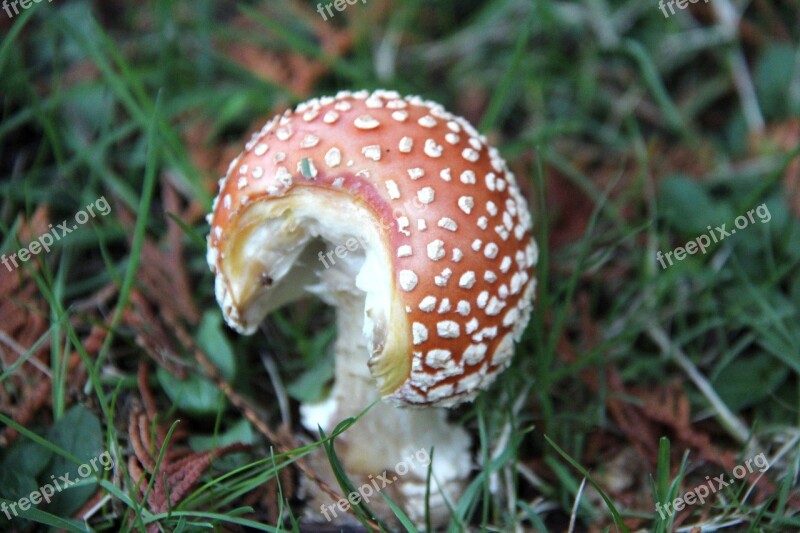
(431, 302)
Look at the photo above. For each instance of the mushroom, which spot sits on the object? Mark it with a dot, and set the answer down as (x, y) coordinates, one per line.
(430, 269)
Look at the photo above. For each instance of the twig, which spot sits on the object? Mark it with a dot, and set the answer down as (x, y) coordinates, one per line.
(730, 421)
(729, 19)
(280, 390)
(14, 345)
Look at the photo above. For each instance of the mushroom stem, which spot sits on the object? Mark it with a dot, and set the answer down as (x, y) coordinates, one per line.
(386, 439)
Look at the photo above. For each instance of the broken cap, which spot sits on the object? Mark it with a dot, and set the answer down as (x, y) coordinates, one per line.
(453, 234)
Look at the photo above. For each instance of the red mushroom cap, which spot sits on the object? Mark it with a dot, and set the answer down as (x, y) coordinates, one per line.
(450, 215)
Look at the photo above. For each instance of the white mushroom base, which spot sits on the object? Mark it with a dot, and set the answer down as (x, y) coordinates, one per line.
(388, 441)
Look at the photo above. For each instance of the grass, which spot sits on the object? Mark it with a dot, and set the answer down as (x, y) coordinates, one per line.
(630, 133)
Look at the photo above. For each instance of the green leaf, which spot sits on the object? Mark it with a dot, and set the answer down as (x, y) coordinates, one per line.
(736, 133)
(241, 431)
(13, 486)
(749, 380)
(194, 395)
(25, 457)
(212, 340)
(772, 78)
(688, 208)
(312, 384)
(78, 433)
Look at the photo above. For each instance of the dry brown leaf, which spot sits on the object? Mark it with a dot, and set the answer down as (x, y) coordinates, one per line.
(151, 335)
(288, 69)
(23, 321)
(162, 272)
(670, 406)
(180, 468)
(638, 429)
